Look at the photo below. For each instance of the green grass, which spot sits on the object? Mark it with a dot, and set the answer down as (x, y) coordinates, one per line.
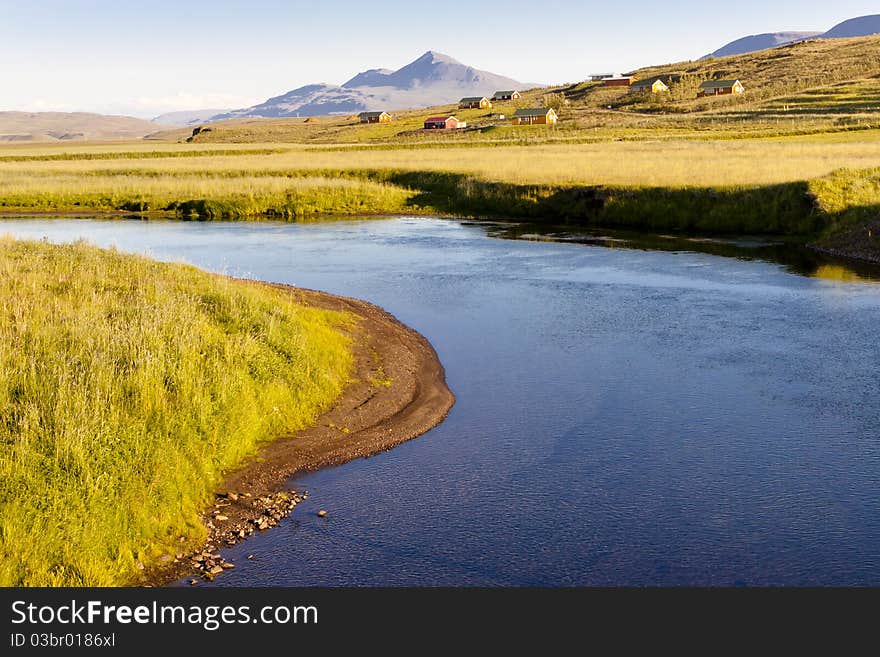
(800, 186)
(803, 186)
(127, 388)
(200, 196)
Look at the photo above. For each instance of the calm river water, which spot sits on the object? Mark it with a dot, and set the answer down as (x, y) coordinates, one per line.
(623, 416)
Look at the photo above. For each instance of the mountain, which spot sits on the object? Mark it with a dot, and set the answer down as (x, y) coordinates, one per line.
(67, 126)
(757, 42)
(187, 117)
(854, 27)
(375, 77)
(311, 100)
(432, 79)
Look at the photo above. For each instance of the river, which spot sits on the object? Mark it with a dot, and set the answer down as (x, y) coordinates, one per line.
(624, 416)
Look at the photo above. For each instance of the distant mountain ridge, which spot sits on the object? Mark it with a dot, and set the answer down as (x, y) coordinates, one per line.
(432, 79)
(187, 117)
(854, 27)
(70, 126)
(757, 42)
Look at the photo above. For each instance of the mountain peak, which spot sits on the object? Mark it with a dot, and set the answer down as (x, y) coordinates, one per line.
(434, 57)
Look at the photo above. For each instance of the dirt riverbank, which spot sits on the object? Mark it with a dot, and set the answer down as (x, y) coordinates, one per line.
(398, 392)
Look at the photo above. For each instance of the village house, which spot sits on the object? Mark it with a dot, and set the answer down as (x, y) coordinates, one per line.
(475, 102)
(374, 117)
(622, 81)
(535, 116)
(599, 77)
(444, 123)
(654, 85)
(510, 94)
(720, 88)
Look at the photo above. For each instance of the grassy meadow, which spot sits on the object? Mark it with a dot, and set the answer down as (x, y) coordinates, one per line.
(797, 185)
(657, 163)
(127, 387)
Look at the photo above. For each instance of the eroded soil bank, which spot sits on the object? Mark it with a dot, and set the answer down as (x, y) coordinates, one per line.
(398, 392)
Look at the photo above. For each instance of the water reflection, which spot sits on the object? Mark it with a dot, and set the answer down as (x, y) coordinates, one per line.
(793, 255)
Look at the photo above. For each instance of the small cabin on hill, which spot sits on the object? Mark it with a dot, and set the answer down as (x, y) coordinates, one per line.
(622, 81)
(599, 77)
(443, 123)
(508, 94)
(720, 88)
(653, 85)
(374, 117)
(535, 116)
(475, 102)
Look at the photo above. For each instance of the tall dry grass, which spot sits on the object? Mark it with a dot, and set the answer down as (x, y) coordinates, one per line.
(127, 387)
(641, 164)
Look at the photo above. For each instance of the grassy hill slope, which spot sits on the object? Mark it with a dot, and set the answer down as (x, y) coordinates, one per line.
(804, 88)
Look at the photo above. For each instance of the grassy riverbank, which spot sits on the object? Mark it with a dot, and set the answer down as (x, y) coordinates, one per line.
(201, 197)
(127, 388)
(808, 187)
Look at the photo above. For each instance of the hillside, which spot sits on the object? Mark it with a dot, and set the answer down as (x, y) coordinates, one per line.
(803, 67)
(432, 79)
(70, 126)
(804, 88)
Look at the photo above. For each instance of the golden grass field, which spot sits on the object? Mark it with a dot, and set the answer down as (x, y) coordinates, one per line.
(698, 163)
(127, 388)
(795, 185)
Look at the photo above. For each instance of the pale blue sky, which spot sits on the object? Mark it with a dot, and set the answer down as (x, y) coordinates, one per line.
(144, 58)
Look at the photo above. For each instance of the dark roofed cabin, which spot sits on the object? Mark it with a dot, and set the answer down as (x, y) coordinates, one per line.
(475, 102)
(721, 88)
(654, 85)
(374, 117)
(534, 116)
(509, 94)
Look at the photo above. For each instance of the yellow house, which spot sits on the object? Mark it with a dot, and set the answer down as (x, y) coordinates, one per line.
(535, 116)
(475, 102)
(374, 117)
(654, 85)
(509, 94)
(721, 88)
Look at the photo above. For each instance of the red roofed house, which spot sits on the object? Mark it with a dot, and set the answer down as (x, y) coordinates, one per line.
(443, 123)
